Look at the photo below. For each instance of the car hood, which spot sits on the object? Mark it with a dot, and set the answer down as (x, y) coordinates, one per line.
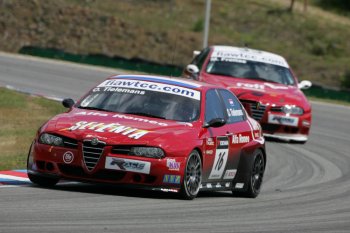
(116, 128)
(264, 92)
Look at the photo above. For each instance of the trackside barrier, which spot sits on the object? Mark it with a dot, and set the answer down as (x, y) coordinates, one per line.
(136, 64)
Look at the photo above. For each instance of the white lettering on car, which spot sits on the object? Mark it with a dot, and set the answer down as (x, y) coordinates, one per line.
(112, 128)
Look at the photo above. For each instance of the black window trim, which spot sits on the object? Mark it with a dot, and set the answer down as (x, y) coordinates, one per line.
(223, 105)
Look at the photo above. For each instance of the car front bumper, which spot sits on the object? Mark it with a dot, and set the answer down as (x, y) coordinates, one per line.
(164, 174)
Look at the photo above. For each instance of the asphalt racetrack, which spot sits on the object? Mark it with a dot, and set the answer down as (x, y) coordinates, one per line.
(306, 187)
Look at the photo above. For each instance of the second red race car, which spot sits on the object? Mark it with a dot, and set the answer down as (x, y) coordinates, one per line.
(160, 133)
(264, 83)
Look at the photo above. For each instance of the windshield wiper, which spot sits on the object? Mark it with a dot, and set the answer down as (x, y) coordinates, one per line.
(145, 114)
(94, 108)
(222, 74)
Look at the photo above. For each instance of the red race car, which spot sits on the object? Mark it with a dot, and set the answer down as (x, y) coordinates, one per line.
(263, 82)
(173, 135)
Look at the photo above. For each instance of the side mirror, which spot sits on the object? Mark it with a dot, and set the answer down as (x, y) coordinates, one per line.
(68, 103)
(216, 122)
(195, 53)
(305, 84)
(192, 71)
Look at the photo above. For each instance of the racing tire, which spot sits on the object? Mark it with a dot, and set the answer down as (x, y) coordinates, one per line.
(255, 175)
(42, 180)
(192, 176)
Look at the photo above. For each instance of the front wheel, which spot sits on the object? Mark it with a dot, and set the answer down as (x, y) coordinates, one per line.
(42, 180)
(38, 179)
(192, 177)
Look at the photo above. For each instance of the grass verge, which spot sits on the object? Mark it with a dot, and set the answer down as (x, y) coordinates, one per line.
(20, 116)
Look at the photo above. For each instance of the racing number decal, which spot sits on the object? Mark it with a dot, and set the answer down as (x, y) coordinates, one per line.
(221, 155)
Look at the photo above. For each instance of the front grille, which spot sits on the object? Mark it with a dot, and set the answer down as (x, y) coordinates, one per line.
(255, 109)
(92, 153)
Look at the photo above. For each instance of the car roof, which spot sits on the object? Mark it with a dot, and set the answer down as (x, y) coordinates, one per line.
(244, 53)
(182, 82)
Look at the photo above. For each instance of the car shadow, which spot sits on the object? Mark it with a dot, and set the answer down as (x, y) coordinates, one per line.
(283, 141)
(126, 191)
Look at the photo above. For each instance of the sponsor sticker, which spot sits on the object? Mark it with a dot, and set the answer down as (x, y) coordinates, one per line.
(221, 155)
(231, 102)
(243, 55)
(129, 165)
(171, 179)
(283, 120)
(209, 152)
(260, 87)
(150, 86)
(210, 142)
(121, 116)
(230, 174)
(173, 165)
(68, 157)
(117, 128)
(238, 139)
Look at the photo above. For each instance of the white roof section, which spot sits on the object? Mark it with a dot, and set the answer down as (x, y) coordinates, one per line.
(248, 54)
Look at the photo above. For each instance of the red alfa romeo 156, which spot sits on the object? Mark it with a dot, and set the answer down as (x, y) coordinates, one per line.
(263, 82)
(167, 134)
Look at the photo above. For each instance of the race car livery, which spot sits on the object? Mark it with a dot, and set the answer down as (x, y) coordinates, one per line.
(263, 82)
(160, 133)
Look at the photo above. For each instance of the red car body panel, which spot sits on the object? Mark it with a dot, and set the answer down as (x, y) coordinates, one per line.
(118, 131)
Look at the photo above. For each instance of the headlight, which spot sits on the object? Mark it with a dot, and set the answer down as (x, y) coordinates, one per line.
(292, 110)
(150, 152)
(50, 139)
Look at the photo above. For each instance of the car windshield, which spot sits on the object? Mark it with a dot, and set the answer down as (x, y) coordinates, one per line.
(143, 103)
(251, 70)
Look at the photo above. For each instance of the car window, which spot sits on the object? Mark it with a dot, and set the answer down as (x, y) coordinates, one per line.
(213, 106)
(151, 103)
(250, 70)
(199, 60)
(233, 107)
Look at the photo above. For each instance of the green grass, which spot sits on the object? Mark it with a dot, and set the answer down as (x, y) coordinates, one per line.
(21, 116)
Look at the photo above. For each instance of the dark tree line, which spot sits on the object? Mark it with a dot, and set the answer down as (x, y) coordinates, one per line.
(343, 5)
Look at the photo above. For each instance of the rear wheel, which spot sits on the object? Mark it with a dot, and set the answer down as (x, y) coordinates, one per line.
(255, 175)
(192, 177)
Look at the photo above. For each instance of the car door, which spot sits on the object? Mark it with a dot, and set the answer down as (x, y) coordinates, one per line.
(216, 139)
(239, 131)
